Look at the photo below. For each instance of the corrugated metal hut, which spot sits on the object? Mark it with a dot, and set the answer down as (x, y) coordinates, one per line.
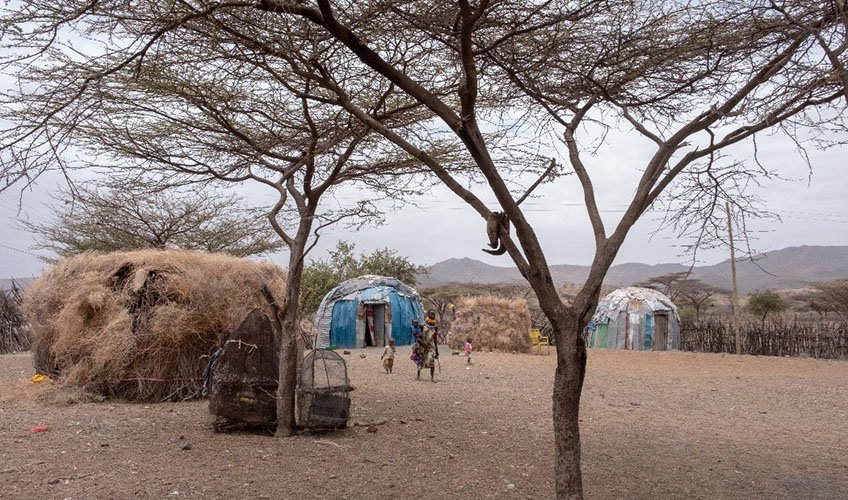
(367, 311)
(635, 318)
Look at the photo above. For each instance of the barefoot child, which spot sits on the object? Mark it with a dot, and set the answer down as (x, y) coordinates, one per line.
(388, 356)
(468, 350)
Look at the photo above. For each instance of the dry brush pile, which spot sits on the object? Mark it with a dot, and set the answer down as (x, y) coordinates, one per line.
(13, 338)
(140, 325)
(493, 323)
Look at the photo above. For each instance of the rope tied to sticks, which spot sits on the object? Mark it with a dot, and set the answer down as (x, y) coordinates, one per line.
(241, 343)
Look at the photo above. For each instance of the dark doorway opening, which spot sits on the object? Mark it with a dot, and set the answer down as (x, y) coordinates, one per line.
(369, 326)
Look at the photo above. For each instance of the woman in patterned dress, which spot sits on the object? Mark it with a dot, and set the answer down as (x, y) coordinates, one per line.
(424, 350)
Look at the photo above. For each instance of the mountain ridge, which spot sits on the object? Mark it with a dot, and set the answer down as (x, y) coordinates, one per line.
(790, 267)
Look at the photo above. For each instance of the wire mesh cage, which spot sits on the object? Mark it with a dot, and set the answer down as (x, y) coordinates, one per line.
(322, 391)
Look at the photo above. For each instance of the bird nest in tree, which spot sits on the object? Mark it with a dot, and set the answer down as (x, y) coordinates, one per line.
(140, 325)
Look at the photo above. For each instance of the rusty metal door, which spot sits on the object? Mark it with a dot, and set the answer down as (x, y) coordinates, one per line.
(660, 340)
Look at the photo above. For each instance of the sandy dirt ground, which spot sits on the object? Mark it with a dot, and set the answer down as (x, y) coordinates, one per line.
(655, 425)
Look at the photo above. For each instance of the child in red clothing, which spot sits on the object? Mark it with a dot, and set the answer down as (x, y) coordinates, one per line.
(468, 350)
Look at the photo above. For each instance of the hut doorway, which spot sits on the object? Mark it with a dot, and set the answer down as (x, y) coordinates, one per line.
(634, 329)
(375, 325)
(660, 335)
(601, 335)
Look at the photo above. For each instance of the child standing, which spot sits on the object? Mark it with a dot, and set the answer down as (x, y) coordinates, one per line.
(388, 356)
(468, 350)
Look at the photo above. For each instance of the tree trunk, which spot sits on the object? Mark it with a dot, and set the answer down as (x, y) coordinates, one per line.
(734, 297)
(287, 382)
(289, 352)
(568, 386)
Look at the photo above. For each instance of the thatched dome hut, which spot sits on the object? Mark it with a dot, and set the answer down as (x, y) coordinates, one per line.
(367, 311)
(635, 318)
(493, 323)
(140, 325)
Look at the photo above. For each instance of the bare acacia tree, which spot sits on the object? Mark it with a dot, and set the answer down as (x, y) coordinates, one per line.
(667, 284)
(190, 104)
(830, 296)
(130, 217)
(697, 293)
(691, 78)
(833, 42)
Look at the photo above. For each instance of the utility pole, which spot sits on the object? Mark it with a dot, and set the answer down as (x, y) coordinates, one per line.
(734, 298)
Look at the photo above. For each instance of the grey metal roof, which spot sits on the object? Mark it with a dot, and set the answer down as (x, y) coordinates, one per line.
(619, 299)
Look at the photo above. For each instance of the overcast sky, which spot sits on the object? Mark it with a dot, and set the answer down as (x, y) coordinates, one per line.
(813, 208)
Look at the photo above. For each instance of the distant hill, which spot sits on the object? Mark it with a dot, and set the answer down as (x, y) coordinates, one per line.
(791, 267)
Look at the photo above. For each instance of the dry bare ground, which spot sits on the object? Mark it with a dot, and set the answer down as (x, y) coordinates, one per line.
(655, 425)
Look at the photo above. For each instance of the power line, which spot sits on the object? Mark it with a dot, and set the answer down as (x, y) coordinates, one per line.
(25, 210)
(815, 213)
(833, 218)
(21, 251)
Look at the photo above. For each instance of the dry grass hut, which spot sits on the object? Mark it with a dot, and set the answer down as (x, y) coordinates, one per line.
(140, 325)
(493, 323)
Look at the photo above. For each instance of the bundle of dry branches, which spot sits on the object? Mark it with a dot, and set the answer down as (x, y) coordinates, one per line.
(493, 323)
(12, 335)
(139, 325)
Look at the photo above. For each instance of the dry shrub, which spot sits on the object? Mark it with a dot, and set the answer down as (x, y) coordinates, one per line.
(493, 323)
(139, 325)
(12, 335)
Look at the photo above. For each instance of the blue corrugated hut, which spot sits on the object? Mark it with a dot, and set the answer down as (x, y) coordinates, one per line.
(635, 318)
(367, 311)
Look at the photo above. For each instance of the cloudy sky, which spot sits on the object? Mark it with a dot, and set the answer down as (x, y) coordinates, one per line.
(813, 209)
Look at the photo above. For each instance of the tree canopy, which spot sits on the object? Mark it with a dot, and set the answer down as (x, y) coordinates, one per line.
(322, 275)
(830, 296)
(129, 217)
(697, 293)
(666, 284)
(764, 303)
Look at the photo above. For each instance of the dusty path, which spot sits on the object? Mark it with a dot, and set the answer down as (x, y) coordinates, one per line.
(655, 425)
